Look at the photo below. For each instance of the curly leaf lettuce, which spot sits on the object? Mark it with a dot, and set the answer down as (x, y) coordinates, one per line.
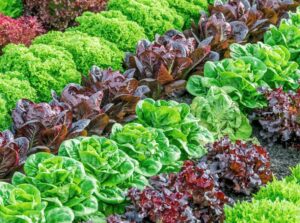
(221, 115)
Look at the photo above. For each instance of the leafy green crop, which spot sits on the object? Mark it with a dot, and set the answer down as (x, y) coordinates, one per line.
(295, 176)
(86, 50)
(189, 9)
(280, 190)
(112, 26)
(12, 8)
(239, 78)
(221, 115)
(280, 70)
(22, 204)
(178, 124)
(155, 16)
(113, 169)
(63, 183)
(263, 211)
(11, 90)
(287, 34)
(149, 146)
(45, 67)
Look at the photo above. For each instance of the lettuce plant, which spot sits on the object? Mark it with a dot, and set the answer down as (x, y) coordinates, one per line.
(46, 126)
(45, 67)
(12, 89)
(221, 115)
(285, 34)
(114, 170)
(59, 14)
(280, 119)
(156, 17)
(178, 124)
(87, 51)
(19, 31)
(188, 196)
(12, 8)
(165, 63)
(280, 70)
(239, 78)
(241, 167)
(21, 203)
(280, 190)
(13, 152)
(263, 211)
(149, 146)
(113, 26)
(62, 182)
(188, 9)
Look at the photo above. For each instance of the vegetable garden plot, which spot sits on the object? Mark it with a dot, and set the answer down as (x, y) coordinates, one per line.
(86, 89)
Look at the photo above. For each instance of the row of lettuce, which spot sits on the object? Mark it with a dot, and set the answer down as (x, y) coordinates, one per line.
(58, 58)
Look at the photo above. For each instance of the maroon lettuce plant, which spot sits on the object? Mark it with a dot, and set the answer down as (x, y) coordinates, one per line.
(59, 14)
(165, 64)
(280, 120)
(192, 195)
(240, 167)
(13, 152)
(19, 31)
(45, 126)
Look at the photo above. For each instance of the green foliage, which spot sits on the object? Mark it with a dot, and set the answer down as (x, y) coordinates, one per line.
(63, 183)
(45, 67)
(239, 78)
(287, 34)
(155, 16)
(4, 120)
(21, 204)
(280, 70)
(189, 9)
(12, 8)
(253, 66)
(112, 26)
(263, 211)
(149, 146)
(280, 190)
(11, 90)
(221, 115)
(86, 50)
(295, 176)
(179, 125)
(114, 170)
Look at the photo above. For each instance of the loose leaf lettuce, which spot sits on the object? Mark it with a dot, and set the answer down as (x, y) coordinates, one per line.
(149, 146)
(240, 78)
(87, 51)
(113, 26)
(22, 204)
(221, 115)
(155, 17)
(62, 182)
(178, 124)
(12, 8)
(45, 67)
(280, 70)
